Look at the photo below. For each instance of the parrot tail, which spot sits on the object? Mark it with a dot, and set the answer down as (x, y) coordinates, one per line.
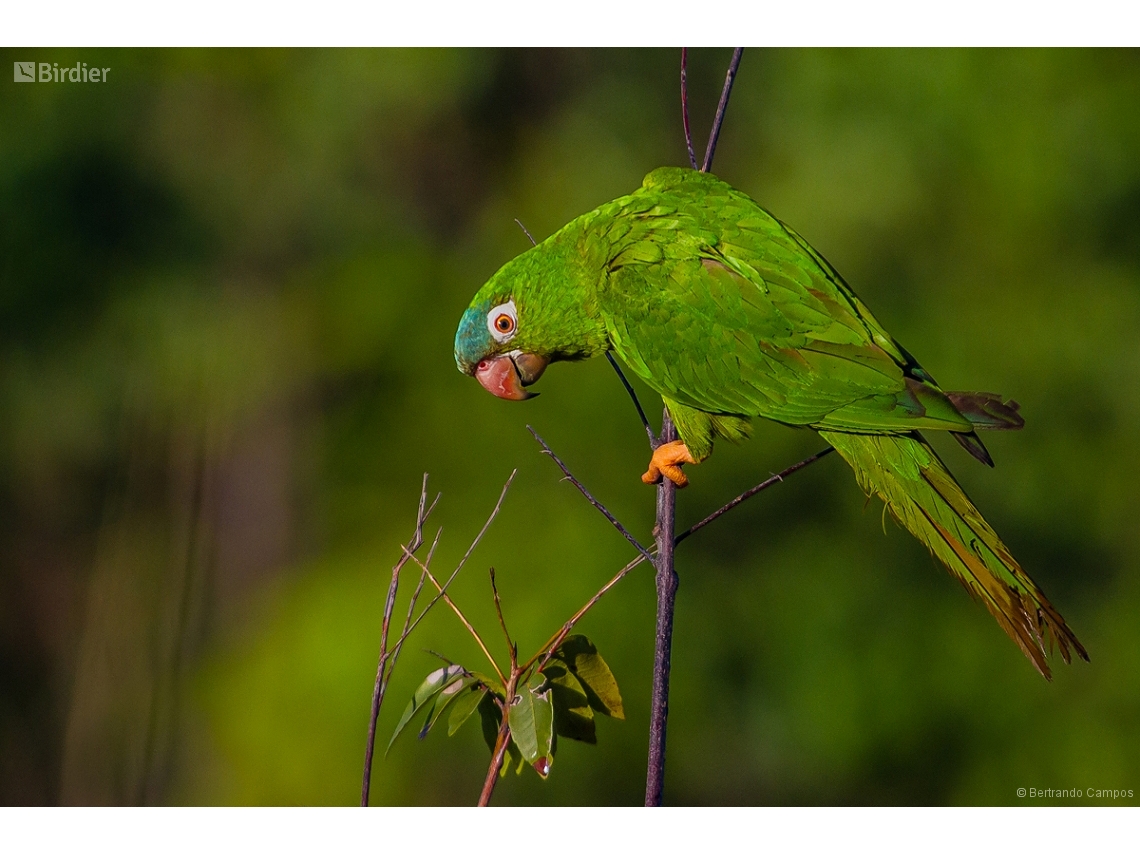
(923, 496)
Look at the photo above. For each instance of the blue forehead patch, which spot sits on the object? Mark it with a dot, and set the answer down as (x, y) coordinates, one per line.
(472, 339)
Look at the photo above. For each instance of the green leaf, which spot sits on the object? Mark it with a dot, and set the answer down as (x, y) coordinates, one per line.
(544, 724)
(441, 701)
(531, 717)
(464, 706)
(573, 717)
(432, 685)
(584, 661)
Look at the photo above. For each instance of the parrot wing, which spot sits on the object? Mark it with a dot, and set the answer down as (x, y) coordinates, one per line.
(720, 307)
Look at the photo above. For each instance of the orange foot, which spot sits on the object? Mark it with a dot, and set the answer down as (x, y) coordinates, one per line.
(667, 460)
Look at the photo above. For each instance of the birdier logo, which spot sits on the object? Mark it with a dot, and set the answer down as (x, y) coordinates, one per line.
(50, 72)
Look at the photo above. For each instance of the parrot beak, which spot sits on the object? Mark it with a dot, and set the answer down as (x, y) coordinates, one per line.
(506, 376)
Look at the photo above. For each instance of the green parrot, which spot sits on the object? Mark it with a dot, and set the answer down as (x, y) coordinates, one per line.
(728, 314)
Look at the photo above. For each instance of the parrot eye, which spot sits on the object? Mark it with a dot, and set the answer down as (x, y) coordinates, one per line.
(502, 321)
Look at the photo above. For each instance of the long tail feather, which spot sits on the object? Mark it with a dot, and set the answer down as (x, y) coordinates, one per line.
(926, 500)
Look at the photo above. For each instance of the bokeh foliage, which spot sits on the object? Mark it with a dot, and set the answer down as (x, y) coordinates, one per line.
(229, 282)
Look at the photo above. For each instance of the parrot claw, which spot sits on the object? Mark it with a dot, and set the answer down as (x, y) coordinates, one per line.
(666, 461)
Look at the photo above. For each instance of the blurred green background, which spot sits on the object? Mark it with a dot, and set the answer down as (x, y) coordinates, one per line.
(229, 283)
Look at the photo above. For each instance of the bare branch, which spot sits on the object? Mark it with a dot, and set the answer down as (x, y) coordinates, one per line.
(685, 106)
(394, 654)
(721, 107)
(483, 530)
(547, 650)
(470, 549)
(462, 618)
(667, 583)
(511, 648)
(748, 494)
(496, 761)
(382, 666)
(636, 403)
(570, 477)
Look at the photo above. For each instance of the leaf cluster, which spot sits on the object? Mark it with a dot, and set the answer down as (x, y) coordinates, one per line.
(551, 696)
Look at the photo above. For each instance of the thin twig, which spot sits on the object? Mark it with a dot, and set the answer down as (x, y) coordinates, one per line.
(441, 657)
(685, 106)
(530, 237)
(748, 494)
(394, 653)
(633, 395)
(381, 683)
(547, 650)
(581, 488)
(511, 648)
(483, 530)
(410, 626)
(721, 107)
(470, 549)
(462, 619)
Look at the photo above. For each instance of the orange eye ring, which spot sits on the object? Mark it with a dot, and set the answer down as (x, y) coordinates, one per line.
(505, 324)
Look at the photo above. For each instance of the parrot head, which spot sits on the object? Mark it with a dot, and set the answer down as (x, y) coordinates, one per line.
(490, 346)
(536, 310)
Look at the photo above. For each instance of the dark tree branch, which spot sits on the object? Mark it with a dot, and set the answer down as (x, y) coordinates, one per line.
(667, 582)
(605, 512)
(633, 395)
(663, 531)
(721, 107)
(748, 494)
(685, 106)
